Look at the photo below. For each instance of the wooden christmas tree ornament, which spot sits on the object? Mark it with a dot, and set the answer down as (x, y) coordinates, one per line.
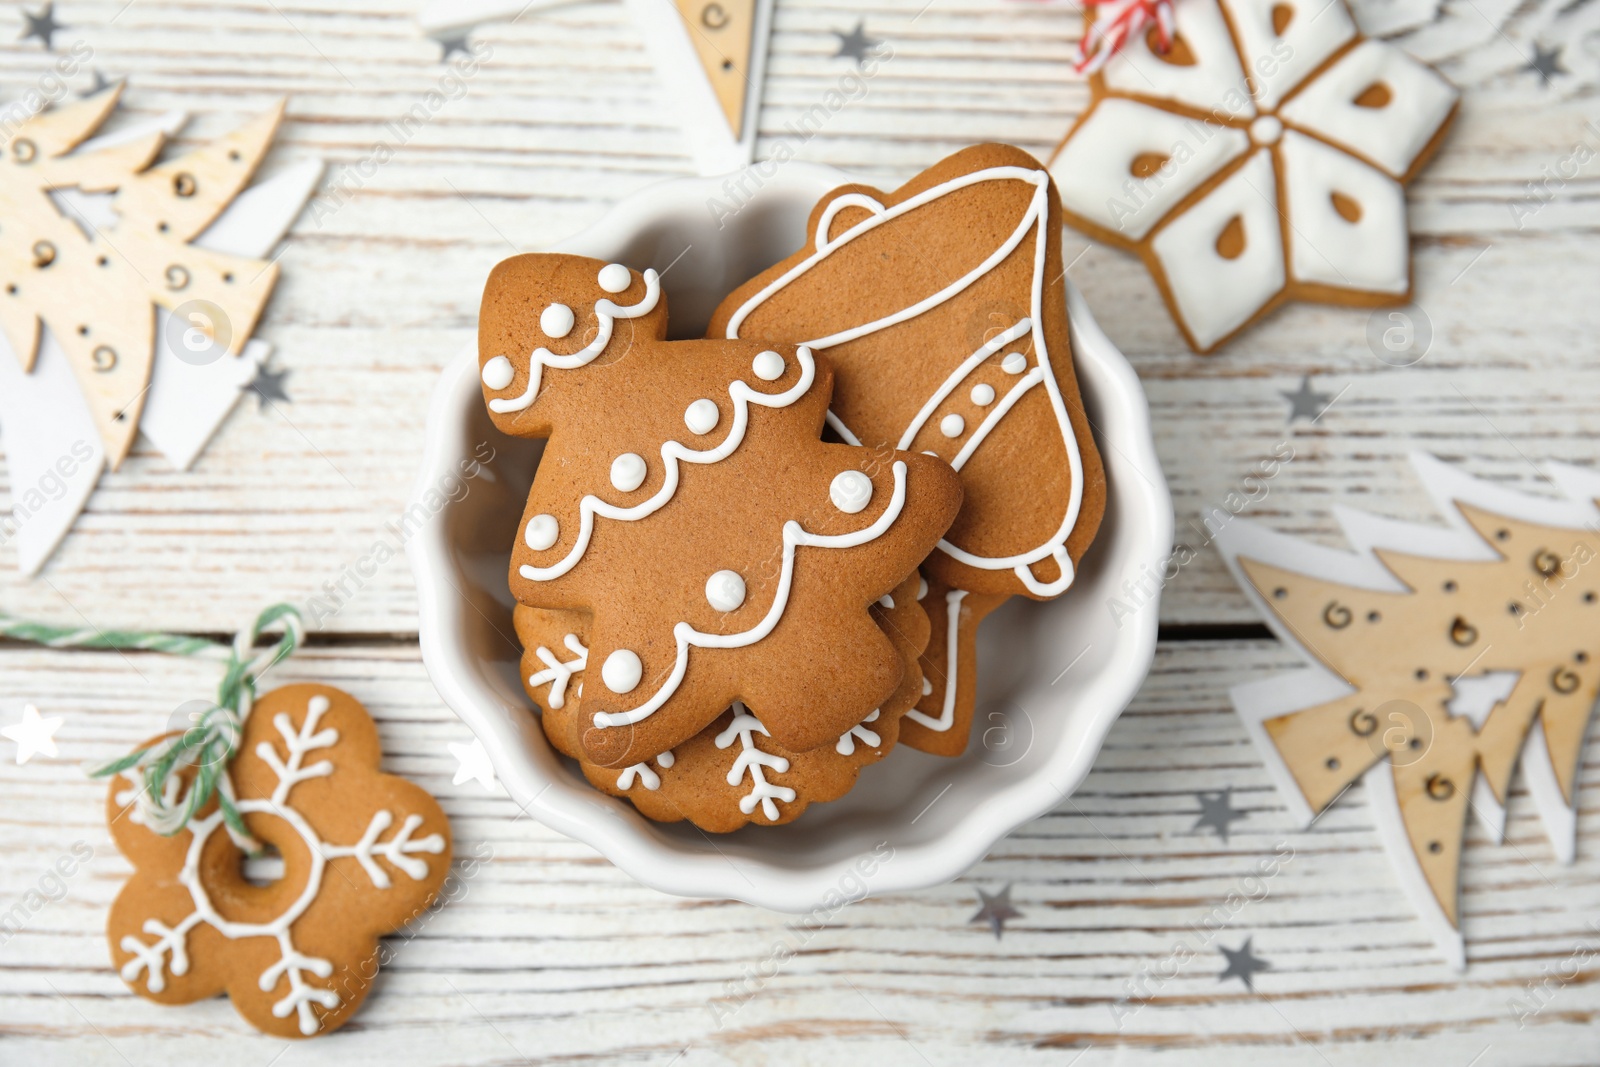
(1440, 660)
(97, 289)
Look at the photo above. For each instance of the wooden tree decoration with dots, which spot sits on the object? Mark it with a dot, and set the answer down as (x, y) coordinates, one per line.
(96, 290)
(1441, 658)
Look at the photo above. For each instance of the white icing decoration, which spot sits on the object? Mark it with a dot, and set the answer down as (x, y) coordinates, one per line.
(1216, 296)
(947, 713)
(983, 394)
(672, 453)
(702, 416)
(846, 745)
(793, 537)
(1214, 83)
(606, 314)
(614, 277)
(1035, 222)
(628, 471)
(1094, 173)
(952, 425)
(1306, 80)
(1015, 363)
(498, 373)
(725, 590)
(768, 366)
(556, 321)
(992, 419)
(850, 491)
(622, 672)
(1391, 136)
(1277, 65)
(922, 587)
(642, 772)
(1372, 253)
(1266, 130)
(842, 430)
(963, 371)
(886, 602)
(754, 762)
(171, 942)
(542, 532)
(297, 743)
(558, 673)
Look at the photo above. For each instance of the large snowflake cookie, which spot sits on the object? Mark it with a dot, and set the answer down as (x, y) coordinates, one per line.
(943, 306)
(732, 773)
(1262, 158)
(363, 854)
(686, 499)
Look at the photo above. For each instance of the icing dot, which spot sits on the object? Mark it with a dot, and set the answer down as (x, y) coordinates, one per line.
(886, 601)
(1015, 363)
(922, 587)
(983, 395)
(542, 532)
(850, 491)
(498, 372)
(1266, 129)
(952, 425)
(725, 590)
(557, 320)
(622, 672)
(768, 366)
(627, 472)
(702, 416)
(614, 277)
(666, 759)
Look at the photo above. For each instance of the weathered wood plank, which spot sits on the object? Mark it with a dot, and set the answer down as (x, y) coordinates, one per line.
(381, 280)
(551, 953)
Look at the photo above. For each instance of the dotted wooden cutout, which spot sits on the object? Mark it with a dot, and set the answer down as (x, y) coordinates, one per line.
(97, 292)
(723, 35)
(1403, 652)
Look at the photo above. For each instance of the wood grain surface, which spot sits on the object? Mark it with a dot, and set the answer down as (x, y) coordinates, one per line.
(550, 954)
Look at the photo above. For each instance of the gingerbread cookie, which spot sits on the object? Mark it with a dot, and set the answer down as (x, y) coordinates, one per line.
(687, 500)
(943, 305)
(363, 854)
(731, 773)
(1260, 159)
(942, 720)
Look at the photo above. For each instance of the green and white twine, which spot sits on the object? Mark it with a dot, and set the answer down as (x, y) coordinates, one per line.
(210, 744)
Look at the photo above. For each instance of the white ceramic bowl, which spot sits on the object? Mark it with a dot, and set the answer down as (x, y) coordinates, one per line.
(1053, 677)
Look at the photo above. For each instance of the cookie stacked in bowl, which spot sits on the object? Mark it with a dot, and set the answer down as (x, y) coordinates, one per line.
(749, 564)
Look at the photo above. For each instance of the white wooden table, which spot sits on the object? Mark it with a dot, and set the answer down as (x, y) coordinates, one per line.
(553, 954)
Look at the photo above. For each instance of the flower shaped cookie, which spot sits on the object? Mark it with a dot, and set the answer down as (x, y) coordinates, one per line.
(363, 854)
(1261, 159)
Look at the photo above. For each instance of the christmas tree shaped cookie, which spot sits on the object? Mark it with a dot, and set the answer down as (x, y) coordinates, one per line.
(732, 773)
(686, 500)
(96, 290)
(1441, 660)
(943, 306)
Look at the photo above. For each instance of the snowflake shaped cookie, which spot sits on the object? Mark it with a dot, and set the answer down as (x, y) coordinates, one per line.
(363, 854)
(1261, 159)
